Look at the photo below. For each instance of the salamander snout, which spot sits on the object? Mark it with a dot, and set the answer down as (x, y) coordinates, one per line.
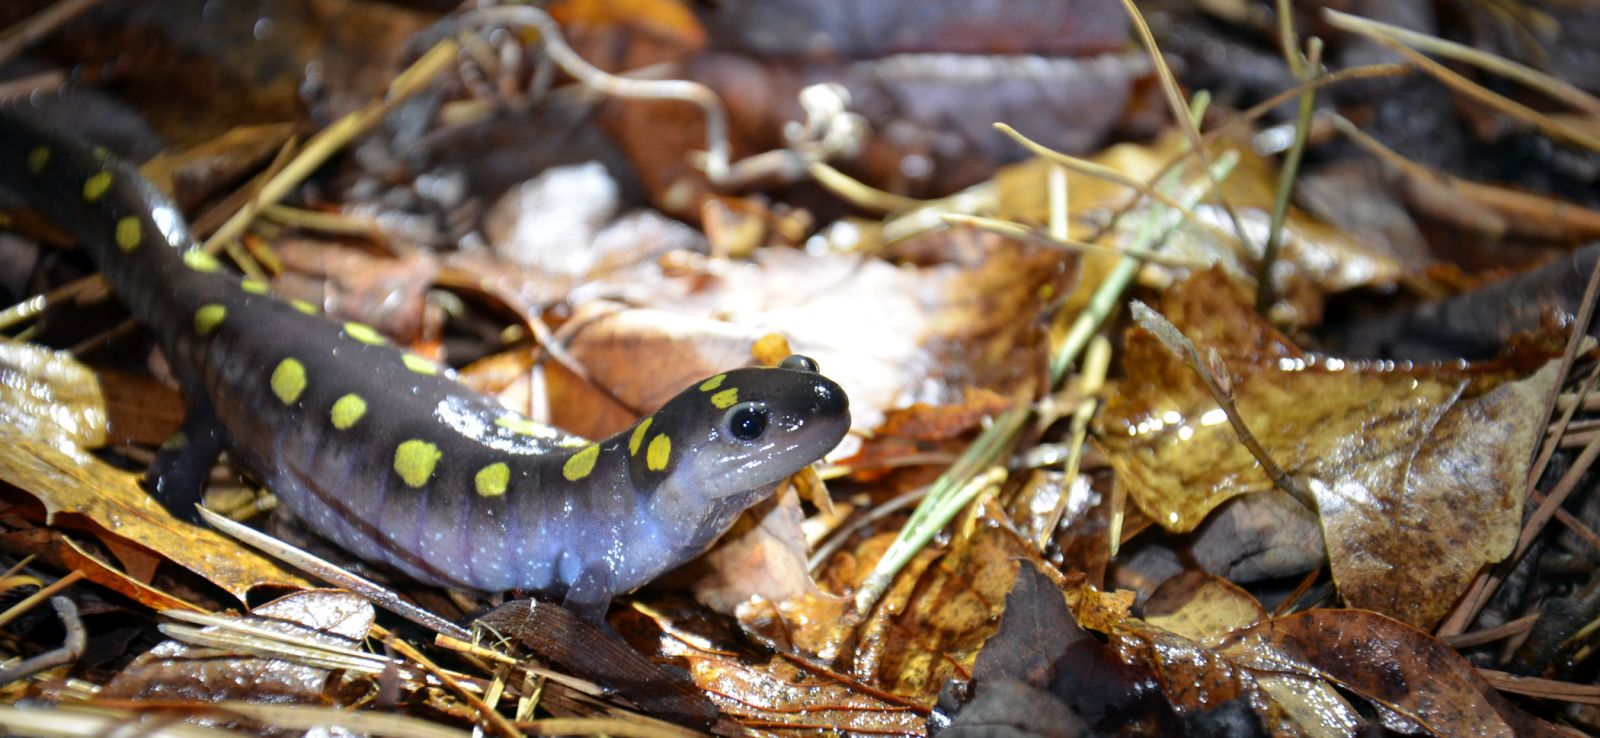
(827, 399)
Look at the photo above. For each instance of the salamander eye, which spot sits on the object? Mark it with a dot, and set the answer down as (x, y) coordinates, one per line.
(747, 421)
(799, 363)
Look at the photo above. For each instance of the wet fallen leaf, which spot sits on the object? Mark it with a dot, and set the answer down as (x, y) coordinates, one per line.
(1040, 664)
(77, 487)
(1418, 472)
(789, 693)
(58, 549)
(49, 397)
(210, 671)
(1425, 683)
(1207, 609)
(1331, 259)
(556, 636)
(1260, 536)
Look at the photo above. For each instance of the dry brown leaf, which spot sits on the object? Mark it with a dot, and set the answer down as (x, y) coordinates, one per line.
(892, 336)
(1418, 473)
(58, 549)
(388, 293)
(764, 555)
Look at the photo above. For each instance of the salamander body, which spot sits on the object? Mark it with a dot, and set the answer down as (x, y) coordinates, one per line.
(382, 451)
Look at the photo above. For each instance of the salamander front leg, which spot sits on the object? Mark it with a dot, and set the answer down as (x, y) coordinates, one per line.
(177, 478)
(590, 596)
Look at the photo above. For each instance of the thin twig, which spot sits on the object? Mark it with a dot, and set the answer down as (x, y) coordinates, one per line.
(1152, 232)
(1026, 233)
(1179, 344)
(858, 193)
(30, 30)
(1490, 635)
(1539, 214)
(1551, 127)
(1555, 87)
(1483, 587)
(1180, 113)
(489, 715)
(71, 646)
(1097, 360)
(1100, 171)
(556, 47)
(1549, 689)
(1305, 68)
(319, 148)
(33, 600)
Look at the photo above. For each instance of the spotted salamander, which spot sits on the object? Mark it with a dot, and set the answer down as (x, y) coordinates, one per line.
(382, 451)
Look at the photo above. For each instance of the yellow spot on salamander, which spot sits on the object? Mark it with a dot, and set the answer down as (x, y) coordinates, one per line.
(254, 286)
(726, 398)
(208, 317)
(580, 464)
(96, 185)
(304, 307)
(493, 479)
(364, 333)
(129, 233)
(414, 461)
(347, 411)
(712, 383)
(289, 380)
(518, 424)
(659, 453)
(638, 435)
(200, 261)
(38, 158)
(175, 441)
(419, 365)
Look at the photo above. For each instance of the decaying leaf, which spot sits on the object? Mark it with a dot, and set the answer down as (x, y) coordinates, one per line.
(1418, 472)
(764, 556)
(77, 487)
(49, 397)
(556, 636)
(701, 317)
(788, 692)
(1206, 609)
(199, 668)
(1389, 663)
(1209, 659)
(1331, 259)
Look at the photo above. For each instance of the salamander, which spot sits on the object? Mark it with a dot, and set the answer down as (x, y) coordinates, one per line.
(382, 451)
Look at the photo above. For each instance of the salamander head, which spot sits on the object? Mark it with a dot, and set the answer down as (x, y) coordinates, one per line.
(722, 445)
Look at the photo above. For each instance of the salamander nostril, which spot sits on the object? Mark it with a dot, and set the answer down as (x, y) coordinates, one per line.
(828, 398)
